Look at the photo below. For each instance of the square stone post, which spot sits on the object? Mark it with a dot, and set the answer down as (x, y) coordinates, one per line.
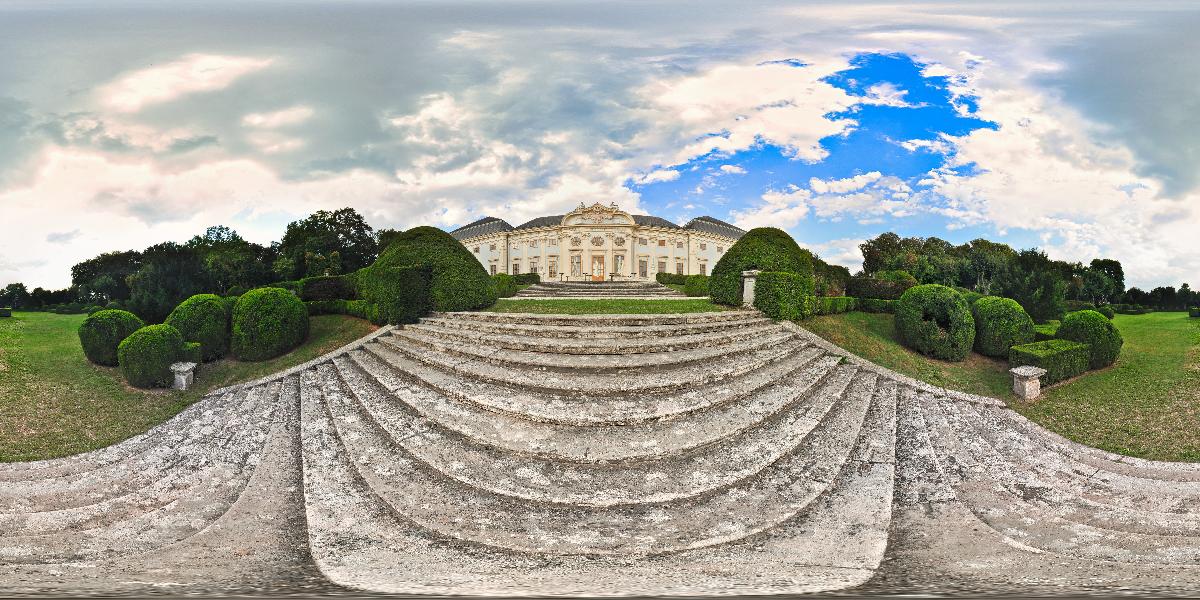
(1027, 383)
(184, 373)
(748, 278)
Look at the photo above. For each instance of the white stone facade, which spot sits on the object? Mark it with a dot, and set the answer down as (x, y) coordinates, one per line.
(598, 243)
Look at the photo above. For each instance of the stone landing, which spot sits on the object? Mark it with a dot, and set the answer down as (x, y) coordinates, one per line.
(599, 290)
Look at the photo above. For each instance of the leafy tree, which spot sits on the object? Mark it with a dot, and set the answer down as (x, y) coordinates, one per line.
(986, 263)
(231, 261)
(385, 237)
(1136, 295)
(1036, 284)
(1098, 287)
(1164, 298)
(15, 295)
(1187, 297)
(169, 274)
(104, 277)
(316, 239)
(1112, 268)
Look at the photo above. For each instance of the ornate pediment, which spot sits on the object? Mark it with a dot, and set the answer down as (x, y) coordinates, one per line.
(597, 214)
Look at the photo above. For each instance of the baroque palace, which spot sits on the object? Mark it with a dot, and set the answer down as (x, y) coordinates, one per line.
(598, 243)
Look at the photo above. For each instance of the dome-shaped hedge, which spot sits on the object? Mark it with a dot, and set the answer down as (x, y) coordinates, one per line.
(202, 318)
(1094, 329)
(458, 280)
(147, 354)
(1000, 324)
(1107, 311)
(764, 249)
(935, 320)
(102, 332)
(267, 322)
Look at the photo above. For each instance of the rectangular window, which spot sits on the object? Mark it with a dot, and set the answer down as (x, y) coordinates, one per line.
(662, 266)
(643, 241)
(553, 241)
(704, 246)
(476, 249)
(679, 268)
(553, 268)
(679, 244)
(516, 269)
(533, 266)
(576, 265)
(533, 243)
(643, 267)
(493, 269)
(492, 248)
(720, 249)
(662, 242)
(704, 268)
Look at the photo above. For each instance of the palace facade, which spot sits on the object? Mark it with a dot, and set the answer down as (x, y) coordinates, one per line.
(598, 243)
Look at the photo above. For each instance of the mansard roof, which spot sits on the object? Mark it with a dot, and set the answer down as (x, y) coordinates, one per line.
(484, 226)
(649, 221)
(550, 221)
(490, 225)
(716, 227)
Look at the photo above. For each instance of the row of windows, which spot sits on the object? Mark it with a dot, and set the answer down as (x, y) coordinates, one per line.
(642, 241)
(577, 266)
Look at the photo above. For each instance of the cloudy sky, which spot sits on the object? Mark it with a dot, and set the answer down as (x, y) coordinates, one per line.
(1074, 128)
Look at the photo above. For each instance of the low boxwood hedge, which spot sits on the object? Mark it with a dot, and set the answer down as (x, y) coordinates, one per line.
(145, 357)
(101, 333)
(1046, 331)
(1107, 311)
(364, 310)
(884, 285)
(191, 352)
(1194, 312)
(671, 278)
(1000, 323)
(936, 321)
(1074, 305)
(695, 285)
(527, 278)
(326, 307)
(506, 285)
(1094, 329)
(1062, 359)
(784, 296)
(875, 305)
(766, 249)
(333, 287)
(268, 322)
(203, 318)
(401, 294)
(832, 305)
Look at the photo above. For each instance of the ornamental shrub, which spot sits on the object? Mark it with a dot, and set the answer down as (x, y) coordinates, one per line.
(766, 249)
(1000, 323)
(1062, 359)
(202, 318)
(268, 322)
(235, 291)
(671, 278)
(1107, 311)
(784, 296)
(334, 287)
(326, 307)
(191, 352)
(102, 332)
(457, 280)
(146, 355)
(935, 320)
(875, 305)
(506, 285)
(400, 294)
(1194, 312)
(873, 287)
(1074, 305)
(695, 285)
(832, 305)
(527, 278)
(1094, 329)
(364, 310)
(1047, 331)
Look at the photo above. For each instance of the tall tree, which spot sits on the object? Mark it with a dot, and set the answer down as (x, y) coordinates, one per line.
(986, 262)
(103, 277)
(231, 261)
(310, 243)
(1112, 268)
(1098, 287)
(14, 295)
(169, 274)
(1036, 283)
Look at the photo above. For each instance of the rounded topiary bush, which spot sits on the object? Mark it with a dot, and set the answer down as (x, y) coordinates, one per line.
(457, 281)
(146, 355)
(1107, 311)
(202, 318)
(1094, 329)
(1000, 324)
(102, 332)
(935, 320)
(764, 249)
(267, 322)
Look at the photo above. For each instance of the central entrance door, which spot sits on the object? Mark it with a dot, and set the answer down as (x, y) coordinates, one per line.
(597, 268)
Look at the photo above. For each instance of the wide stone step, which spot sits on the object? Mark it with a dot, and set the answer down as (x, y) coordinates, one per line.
(593, 347)
(597, 332)
(919, 475)
(708, 468)
(775, 495)
(600, 320)
(582, 383)
(647, 440)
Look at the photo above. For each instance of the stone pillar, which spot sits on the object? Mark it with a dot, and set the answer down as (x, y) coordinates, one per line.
(748, 278)
(184, 373)
(1027, 384)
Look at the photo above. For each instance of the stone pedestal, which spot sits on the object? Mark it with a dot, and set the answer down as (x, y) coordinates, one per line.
(748, 278)
(1027, 383)
(184, 374)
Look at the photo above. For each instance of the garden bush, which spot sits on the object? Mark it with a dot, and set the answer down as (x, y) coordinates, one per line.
(5, 312)
(1094, 329)
(1046, 331)
(1107, 311)
(970, 296)
(457, 280)
(364, 310)
(326, 307)
(291, 286)
(875, 305)
(1062, 359)
(671, 278)
(102, 332)
(832, 305)
(506, 285)
(527, 278)
(883, 289)
(235, 291)
(766, 249)
(203, 318)
(268, 322)
(1194, 312)
(333, 287)
(400, 294)
(191, 353)
(784, 296)
(1000, 323)
(695, 285)
(936, 321)
(1074, 305)
(145, 357)
(92, 309)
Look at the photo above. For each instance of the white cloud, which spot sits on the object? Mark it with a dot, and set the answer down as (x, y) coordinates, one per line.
(733, 170)
(280, 118)
(190, 74)
(842, 186)
(887, 94)
(657, 176)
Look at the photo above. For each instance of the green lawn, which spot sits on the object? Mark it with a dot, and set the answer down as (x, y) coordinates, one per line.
(55, 403)
(613, 306)
(1145, 405)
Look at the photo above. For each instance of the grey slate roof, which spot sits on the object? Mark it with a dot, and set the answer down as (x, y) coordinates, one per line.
(716, 227)
(649, 221)
(490, 225)
(484, 226)
(549, 221)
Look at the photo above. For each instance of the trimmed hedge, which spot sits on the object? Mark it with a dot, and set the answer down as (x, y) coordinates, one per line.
(506, 285)
(364, 310)
(101, 333)
(671, 278)
(291, 286)
(873, 287)
(832, 305)
(203, 318)
(695, 285)
(326, 307)
(401, 294)
(1194, 312)
(936, 321)
(1074, 305)
(1048, 331)
(972, 297)
(875, 305)
(784, 296)
(527, 278)
(1094, 329)
(191, 352)
(457, 280)
(767, 249)
(1107, 311)
(1062, 359)
(333, 287)
(1000, 323)
(5, 311)
(146, 355)
(268, 322)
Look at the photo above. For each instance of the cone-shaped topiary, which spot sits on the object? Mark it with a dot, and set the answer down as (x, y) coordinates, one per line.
(458, 281)
(1000, 324)
(764, 249)
(935, 320)
(147, 354)
(1094, 329)
(203, 319)
(267, 322)
(102, 332)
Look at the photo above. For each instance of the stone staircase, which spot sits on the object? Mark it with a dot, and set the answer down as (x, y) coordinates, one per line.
(598, 455)
(599, 289)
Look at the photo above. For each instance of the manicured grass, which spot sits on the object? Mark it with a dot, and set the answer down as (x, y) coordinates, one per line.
(55, 403)
(1146, 405)
(614, 306)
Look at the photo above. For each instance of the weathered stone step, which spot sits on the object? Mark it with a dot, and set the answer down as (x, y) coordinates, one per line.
(600, 332)
(585, 384)
(652, 439)
(710, 467)
(919, 476)
(586, 293)
(775, 495)
(600, 320)
(568, 408)
(594, 347)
